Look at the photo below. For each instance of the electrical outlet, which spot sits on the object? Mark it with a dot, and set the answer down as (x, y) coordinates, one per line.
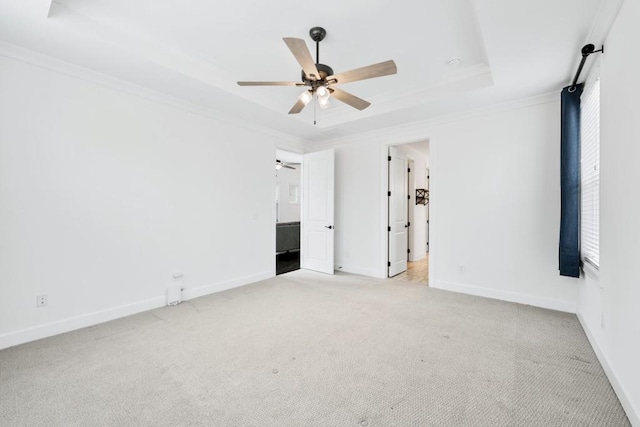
(42, 300)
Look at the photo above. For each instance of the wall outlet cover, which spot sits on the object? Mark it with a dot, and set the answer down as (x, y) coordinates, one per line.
(42, 300)
(174, 295)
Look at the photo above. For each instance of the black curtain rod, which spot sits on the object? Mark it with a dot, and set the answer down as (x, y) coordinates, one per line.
(587, 50)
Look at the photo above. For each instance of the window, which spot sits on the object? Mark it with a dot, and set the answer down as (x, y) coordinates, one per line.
(590, 173)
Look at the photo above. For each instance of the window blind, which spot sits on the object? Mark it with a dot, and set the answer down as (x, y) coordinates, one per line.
(590, 174)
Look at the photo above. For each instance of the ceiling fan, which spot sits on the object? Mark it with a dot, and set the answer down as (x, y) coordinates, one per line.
(280, 164)
(320, 78)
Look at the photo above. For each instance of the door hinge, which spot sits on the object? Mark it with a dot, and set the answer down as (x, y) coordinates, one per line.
(408, 251)
(389, 193)
(409, 224)
(389, 264)
(409, 196)
(389, 158)
(388, 228)
(408, 169)
(427, 221)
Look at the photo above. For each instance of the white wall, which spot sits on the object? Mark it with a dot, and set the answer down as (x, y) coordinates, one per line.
(609, 305)
(288, 212)
(495, 203)
(495, 207)
(103, 195)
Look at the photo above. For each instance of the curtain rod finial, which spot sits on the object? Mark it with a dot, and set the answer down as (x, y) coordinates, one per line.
(588, 49)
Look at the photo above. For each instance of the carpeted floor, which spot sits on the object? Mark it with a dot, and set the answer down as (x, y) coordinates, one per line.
(305, 349)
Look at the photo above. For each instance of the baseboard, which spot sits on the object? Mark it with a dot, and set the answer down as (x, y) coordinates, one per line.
(499, 294)
(418, 258)
(190, 293)
(632, 413)
(360, 271)
(78, 322)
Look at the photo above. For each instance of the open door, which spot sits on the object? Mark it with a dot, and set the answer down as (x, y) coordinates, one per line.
(317, 211)
(398, 212)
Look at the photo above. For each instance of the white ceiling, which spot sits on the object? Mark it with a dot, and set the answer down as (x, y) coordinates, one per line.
(196, 50)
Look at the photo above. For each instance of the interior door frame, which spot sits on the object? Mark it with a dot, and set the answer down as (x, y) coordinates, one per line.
(384, 204)
(274, 213)
(411, 190)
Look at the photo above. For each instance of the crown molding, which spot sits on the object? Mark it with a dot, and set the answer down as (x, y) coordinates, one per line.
(605, 19)
(419, 130)
(21, 54)
(471, 78)
(599, 31)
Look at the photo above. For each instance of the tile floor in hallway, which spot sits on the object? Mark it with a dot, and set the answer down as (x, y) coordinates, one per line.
(417, 272)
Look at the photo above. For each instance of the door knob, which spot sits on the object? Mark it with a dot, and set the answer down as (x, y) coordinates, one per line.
(330, 227)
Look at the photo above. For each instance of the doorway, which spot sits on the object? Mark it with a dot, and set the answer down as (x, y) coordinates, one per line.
(304, 211)
(408, 212)
(288, 210)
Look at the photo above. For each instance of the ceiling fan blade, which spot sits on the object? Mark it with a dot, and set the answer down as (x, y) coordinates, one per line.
(369, 72)
(349, 99)
(270, 84)
(288, 167)
(300, 50)
(297, 107)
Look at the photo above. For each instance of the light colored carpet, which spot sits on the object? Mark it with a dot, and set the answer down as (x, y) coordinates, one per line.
(305, 349)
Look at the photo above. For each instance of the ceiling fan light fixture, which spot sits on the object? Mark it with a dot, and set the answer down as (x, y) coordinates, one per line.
(324, 103)
(322, 93)
(306, 97)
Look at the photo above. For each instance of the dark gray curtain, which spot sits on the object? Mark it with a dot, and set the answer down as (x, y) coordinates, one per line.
(570, 183)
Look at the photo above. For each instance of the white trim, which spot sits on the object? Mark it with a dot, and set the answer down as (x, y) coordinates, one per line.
(632, 413)
(605, 19)
(384, 208)
(414, 131)
(424, 254)
(500, 294)
(190, 293)
(77, 322)
(475, 77)
(46, 7)
(22, 336)
(26, 56)
(384, 201)
(360, 271)
(590, 270)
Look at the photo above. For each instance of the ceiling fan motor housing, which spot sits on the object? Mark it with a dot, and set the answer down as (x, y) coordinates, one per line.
(324, 70)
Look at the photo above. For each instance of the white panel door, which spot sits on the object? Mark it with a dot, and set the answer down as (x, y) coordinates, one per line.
(398, 220)
(317, 211)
